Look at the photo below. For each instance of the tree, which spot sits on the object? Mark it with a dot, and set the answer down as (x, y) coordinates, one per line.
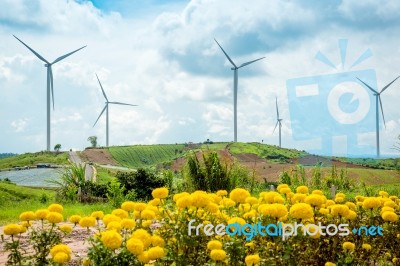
(57, 147)
(93, 141)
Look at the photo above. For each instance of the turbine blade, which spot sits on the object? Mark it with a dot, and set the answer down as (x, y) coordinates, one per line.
(383, 116)
(33, 51)
(100, 114)
(123, 103)
(250, 62)
(105, 96)
(384, 88)
(227, 56)
(51, 84)
(275, 126)
(277, 110)
(369, 87)
(66, 55)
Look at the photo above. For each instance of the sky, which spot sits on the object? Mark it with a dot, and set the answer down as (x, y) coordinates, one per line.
(161, 55)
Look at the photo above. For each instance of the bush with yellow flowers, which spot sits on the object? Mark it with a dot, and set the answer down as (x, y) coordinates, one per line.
(156, 232)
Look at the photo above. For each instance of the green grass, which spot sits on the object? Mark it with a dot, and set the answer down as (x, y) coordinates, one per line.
(105, 175)
(16, 199)
(389, 163)
(146, 155)
(31, 159)
(264, 151)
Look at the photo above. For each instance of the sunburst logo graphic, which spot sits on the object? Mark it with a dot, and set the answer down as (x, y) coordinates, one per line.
(333, 110)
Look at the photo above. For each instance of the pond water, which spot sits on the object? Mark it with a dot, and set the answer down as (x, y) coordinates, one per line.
(36, 177)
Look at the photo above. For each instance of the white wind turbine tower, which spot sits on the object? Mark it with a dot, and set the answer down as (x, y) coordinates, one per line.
(235, 86)
(378, 103)
(278, 122)
(106, 109)
(49, 82)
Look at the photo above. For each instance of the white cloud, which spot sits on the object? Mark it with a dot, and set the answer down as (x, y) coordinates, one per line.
(19, 125)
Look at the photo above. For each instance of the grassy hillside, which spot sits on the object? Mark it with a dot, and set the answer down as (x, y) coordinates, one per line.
(31, 159)
(146, 155)
(265, 151)
(390, 163)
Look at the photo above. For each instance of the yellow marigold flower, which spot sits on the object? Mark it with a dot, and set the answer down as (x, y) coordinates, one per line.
(383, 194)
(75, 219)
(222, 193)
(250, 244)
(65, 228)
(281, 186)
(160, 193)
(97, 215)
(351, 215)
(114, 225)
(87, 222)
(323, 211)
(135, 246)
(252, 260)
(217, 254)
(147, 214)
(390, 203)
(301, 211)
(155, 202)
(236, 220)
(339, 209)
(61, 257)
(239, 195)
(359, 198)
(386, 208)
(289, 195)
(281, 210)
(111, 239)
(60, 248)
(86, 262)
(41, 214)
(366, 246)
(244, 207)
(157, 241)
(349, 246)
(269, 196)
(297, 198)
(267, 210)
(279, 199)
(341, 195)
(371, 203)
(252, 200)
(12, 229)
(128, 223)
(156, 253)
(318, 192)
(389, 216)
(199, 199)
(395, 260)
(214, 244)
(302, 189)
(315, 200)
(25, 224)
(184, 202)
(146, 223)
(54, 217)
(55, 208)
(120, 213)
(180, 195)
(228, 202)
(351, 205)
(128, 206)
(250, 214)
(144, 257)
(140, 206)
(143, 235)
(212, 207)
(110, 218)
(330, 263)
(339, 199)
(285, 190)
(27, 216)
(329, 203)
(215, 198)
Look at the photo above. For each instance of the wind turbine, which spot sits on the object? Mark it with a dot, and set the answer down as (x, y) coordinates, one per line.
(378, 103)
(49, 82)
(106, 109)
(235, 86)
(278, 122)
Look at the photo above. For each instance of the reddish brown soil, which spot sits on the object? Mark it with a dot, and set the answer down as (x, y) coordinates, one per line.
(100, 156)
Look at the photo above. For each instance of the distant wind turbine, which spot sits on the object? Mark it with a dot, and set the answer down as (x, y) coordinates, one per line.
(49, 82)
(278, 122)
(235, 86)
(106, 109)
(378, 103)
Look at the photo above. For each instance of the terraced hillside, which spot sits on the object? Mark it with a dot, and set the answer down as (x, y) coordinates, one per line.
(31, 159)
